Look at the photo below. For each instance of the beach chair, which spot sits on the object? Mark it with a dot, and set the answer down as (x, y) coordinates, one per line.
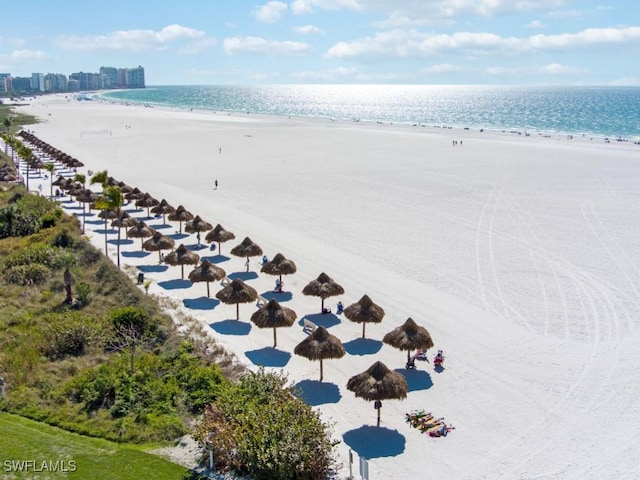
(225, 281)
(308, 326)
(261, 301)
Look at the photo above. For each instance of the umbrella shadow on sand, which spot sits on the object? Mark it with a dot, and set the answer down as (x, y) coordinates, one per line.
(244, 276)
(362, 346)
(159, 226)
(280, 297)
(201, 303)
(178, 236)
(153, 268)
(315, 392)
(216, 258)
(416, 379)
(122, 241)
(268, 357)
(375, 442)
(136, 254)
(175, 284)
(231, 327)
(101, 231)
(326, 320)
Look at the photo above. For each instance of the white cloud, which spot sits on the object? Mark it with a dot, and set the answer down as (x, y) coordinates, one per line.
(534, 24)
(308, 6)
(539, 70)
(333, 74)
(308, 29)
(412, 43)
(270, 12)
(12, 41)
(443, 68)
(262, 46)
(197, 46)
(132, 40)
(19, 55)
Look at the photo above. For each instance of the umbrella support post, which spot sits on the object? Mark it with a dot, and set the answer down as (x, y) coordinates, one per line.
(379, 408)
(321, 373)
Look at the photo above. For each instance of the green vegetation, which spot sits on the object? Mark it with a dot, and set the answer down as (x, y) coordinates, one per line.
(259, 427)
(12, 121)
(75, 456)
(83, 348)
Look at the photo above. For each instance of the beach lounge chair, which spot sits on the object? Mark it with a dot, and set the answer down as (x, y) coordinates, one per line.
(261, 301)
(225, 281)
(308, 326)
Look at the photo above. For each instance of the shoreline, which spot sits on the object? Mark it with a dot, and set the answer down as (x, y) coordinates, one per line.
(508, 249)
(467, 126)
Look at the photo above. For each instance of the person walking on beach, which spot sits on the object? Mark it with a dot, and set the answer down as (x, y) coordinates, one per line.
(215, 184)
(246, 264)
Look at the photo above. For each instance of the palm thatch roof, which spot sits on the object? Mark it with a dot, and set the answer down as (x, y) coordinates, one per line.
(324, 287)
(237, 292)
(207, 272)
(182, 256)
(273, 315)
(162, 208)
(378, 383)
(147, 201)
(219, 234)
(279, 265)
(157, 243)
(409, 336)
(247, 248)
(364, 311)
(180, 214)
(197, 225)
(140, 230)
(320, 345)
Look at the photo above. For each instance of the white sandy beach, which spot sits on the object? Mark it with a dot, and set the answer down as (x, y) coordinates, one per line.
(520, 254)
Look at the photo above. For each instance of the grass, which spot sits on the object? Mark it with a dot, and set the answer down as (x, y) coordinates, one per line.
(83, 457)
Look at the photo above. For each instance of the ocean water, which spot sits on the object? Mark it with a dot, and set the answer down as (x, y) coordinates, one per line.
(595, 111)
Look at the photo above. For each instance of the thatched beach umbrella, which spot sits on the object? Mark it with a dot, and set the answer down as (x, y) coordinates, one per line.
(180, 214)
(219, 234)
(273, 315)
(409, 336)
(133, 195)
(207, 272)
(162, 209)
(157, 243)
(279, 265)
(378, 383)
(124, 220)
(147, 201)
(364, 311)
(182, 256)
(320, 345)
(197, 225)
(324, 287)
(237, 292)
(246, 249)
(85, 196)
(141, 230)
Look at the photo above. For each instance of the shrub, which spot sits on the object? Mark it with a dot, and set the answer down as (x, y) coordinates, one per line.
(68, 335)
(83, 293)
(27, 274)
(263, 430)
(52, 257)
(64, 239)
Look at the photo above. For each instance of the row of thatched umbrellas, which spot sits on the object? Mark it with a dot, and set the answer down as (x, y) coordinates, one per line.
(375, 384)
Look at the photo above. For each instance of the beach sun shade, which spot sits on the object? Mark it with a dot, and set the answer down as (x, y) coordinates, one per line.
(141, 230)
(273, 315)
(162, 208)
(324, 287)
(279, 265)
(378, 383)
(320, 344)
(220, 235)
(157, 243)
(246, 249)
(147, 201)
(207, 272)
(409, 336)
(182, 256)
(197, 225)
(180, 214)
(237, 292)
(364, 311)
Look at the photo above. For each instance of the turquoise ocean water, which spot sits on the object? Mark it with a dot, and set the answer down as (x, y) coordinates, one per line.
(600, 111)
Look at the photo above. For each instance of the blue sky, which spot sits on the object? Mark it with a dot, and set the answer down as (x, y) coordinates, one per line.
(331, 41)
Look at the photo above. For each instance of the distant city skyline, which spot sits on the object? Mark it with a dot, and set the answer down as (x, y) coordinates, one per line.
(541, 42)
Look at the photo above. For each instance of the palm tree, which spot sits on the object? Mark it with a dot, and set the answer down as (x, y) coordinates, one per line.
(111, 199)
(50, 167)
(101, 177)
(81, 178)
(24, 153)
